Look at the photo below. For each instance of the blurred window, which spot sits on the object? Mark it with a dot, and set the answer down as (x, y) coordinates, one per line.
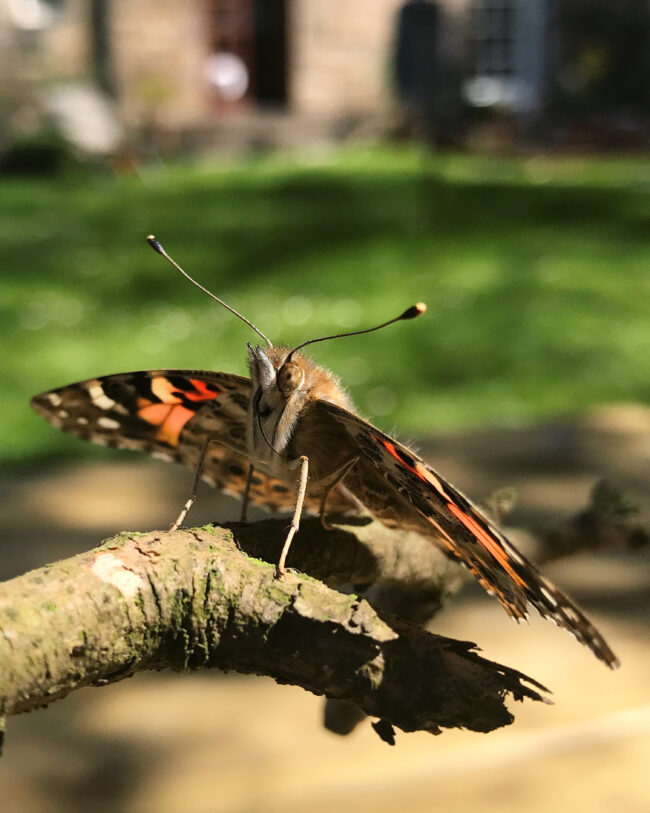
(493, 36)
(248, 39)
(507, 54)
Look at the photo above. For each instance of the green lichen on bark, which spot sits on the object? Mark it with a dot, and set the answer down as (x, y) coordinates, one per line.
(193, 599)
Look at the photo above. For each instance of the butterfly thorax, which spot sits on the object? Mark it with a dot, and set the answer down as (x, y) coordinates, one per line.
(281, 418)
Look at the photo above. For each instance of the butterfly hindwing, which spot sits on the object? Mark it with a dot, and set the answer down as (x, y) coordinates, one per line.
(431, 505)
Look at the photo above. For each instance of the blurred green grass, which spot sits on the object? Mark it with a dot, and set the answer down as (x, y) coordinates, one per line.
(536, 272)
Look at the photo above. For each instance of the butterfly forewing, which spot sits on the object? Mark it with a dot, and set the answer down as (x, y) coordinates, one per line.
(415, 496)
(169, 414)
(154, 411)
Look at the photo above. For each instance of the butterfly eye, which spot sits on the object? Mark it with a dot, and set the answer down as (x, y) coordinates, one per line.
(289, 378)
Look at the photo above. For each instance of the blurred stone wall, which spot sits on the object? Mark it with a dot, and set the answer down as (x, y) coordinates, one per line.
(338, 56)
(158, 51)
(57, 50)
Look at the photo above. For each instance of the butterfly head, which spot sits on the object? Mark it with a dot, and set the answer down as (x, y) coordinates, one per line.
(276, 376)
(291, 377)
(281, 387)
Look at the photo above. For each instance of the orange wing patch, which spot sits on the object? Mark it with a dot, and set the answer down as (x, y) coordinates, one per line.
(169, 418)
(416, 467)
(390, 448)
(487, 541)
(202, 391)
(164, 390)
(170, 414)
(483, 536)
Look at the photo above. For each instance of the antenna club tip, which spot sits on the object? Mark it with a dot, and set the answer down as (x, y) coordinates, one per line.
(415, 310)
(154, 242)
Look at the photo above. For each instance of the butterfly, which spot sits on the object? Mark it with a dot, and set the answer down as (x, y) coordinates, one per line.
(288, 438)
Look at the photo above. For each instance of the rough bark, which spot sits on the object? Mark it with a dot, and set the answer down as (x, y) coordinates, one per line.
(193, 599)
(205, 598)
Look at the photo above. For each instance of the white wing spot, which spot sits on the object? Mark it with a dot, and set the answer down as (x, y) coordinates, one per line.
(54, 398)
(168, 458)
(512, 552)
(132, 443)
(63, 413)
(99, 397)
(102, 440)
(82, 421)
(107, 423)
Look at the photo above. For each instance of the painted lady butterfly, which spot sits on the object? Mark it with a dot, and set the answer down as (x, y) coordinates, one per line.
(291, 429)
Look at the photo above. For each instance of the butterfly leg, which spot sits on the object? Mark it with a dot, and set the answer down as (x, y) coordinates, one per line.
(244, 505)
(339, 476)
(197, 476)
(295, 522)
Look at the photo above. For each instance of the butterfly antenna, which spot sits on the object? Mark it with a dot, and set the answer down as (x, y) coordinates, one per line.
(410, 313)
(157, 246)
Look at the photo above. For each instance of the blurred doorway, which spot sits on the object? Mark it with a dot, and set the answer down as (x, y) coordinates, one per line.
(248, 39)
(271, 52)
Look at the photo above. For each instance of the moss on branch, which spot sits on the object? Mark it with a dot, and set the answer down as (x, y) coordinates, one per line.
(201, 599)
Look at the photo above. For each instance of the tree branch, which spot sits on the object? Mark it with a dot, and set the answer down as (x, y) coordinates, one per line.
(204, 598)
(192, 599)
(607, 521)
